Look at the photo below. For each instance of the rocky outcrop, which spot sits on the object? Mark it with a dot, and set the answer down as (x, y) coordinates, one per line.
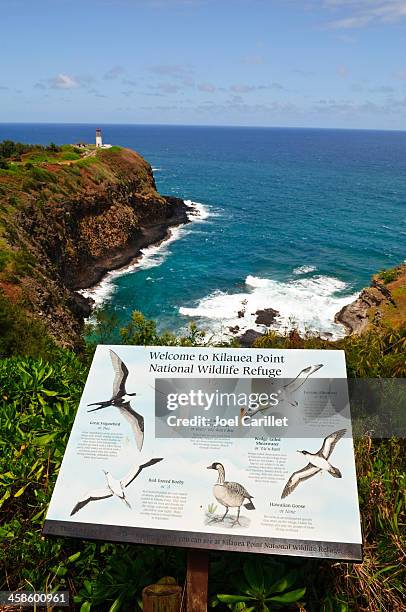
(248, 338)
(81, 221)
(267, 316)
(382, 301)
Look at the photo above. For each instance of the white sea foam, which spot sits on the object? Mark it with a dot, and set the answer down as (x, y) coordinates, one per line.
(150, 257)
(198, 211)
(306, 303)
(304, 270)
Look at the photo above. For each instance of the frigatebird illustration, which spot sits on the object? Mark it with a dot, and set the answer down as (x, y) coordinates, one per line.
(114, 487)
(122, 400)
(287, 391)
(317, 462)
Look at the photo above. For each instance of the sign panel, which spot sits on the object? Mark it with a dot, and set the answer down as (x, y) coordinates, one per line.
(214, 448)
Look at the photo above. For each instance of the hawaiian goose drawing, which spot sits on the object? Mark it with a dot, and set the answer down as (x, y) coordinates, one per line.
(317, 462)
(230, 494)
(114, 487)
(122, 400)
(286, 392)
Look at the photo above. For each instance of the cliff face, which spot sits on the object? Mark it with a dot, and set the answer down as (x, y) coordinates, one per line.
(63, 225)
(384, 301)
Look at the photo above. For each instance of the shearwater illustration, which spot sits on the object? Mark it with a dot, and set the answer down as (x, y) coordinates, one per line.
(122, 400)
(317, 462)
(114, 487)
(230, 494)
(286, 392)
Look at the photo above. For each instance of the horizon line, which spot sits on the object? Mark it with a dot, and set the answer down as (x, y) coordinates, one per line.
(204, 125)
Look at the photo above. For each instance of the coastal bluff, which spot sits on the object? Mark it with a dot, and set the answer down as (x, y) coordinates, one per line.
(67, 220)
(384, 301)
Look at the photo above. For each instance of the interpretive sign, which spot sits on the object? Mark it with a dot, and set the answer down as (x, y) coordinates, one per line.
(213, 448)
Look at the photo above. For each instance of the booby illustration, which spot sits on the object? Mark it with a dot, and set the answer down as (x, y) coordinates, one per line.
(317, 462)
(286, 392)
(230, 494)
(122, 400)
(114, 487)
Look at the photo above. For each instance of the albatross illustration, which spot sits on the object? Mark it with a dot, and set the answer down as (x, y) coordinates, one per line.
(114, 487)
(230, 494)
(287, 391)
(317, 462)
(122, 400)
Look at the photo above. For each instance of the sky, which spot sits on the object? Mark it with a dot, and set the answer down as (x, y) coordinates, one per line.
(297, 63)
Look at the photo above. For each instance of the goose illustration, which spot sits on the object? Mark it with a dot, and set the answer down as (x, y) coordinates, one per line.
(122, 400)
(114, 487)
(230, 494)
(317, 462)
(287, 391)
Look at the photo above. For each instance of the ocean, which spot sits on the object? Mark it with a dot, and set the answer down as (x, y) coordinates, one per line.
(292, 219)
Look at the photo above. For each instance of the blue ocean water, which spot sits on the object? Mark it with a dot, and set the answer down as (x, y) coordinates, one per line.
(296, 220)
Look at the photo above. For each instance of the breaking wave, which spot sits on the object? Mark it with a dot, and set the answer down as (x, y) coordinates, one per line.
(309, 304)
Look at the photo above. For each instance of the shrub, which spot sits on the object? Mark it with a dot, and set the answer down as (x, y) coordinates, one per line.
(388, 276)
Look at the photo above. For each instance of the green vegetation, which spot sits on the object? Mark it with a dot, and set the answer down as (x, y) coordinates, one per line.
(388, 276)
(38, 400)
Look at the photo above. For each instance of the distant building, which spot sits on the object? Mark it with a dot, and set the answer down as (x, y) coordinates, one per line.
(99, 140)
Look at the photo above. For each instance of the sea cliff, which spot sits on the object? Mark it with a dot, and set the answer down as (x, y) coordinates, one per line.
(384, 301)
(65, 223)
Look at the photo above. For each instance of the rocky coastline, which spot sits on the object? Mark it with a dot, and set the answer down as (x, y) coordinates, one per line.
(384, 301)
(148, 234)
(71, 225)
(381, 301)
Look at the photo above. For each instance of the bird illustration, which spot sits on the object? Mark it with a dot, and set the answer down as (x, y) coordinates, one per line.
(114, 487)
(122, 400)
(287, 391)
(317, 462)
(230, 494)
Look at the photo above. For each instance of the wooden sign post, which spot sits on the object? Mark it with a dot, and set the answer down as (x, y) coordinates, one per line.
(197, 576)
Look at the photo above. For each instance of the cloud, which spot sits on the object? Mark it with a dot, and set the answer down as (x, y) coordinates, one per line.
(178, 71)
(253, 60)
(63, 81)
(391, 106)
(96, 93)
(383, 89)
(304, 73)
(114, 73)
(169, 88)
(244, 88)
(129, 82)
(361, 13)
(3, 88)
(342, 71)
(401, 74)
(207, 87)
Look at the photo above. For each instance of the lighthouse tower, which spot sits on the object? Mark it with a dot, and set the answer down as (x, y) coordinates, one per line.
(99, 141)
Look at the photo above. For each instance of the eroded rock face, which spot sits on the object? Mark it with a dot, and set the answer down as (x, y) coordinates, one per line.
(366, 309)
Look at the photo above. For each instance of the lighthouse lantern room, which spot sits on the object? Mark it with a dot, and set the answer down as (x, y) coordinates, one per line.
(99, 141)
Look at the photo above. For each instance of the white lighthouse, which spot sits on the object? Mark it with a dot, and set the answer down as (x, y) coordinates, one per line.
(99, 141)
